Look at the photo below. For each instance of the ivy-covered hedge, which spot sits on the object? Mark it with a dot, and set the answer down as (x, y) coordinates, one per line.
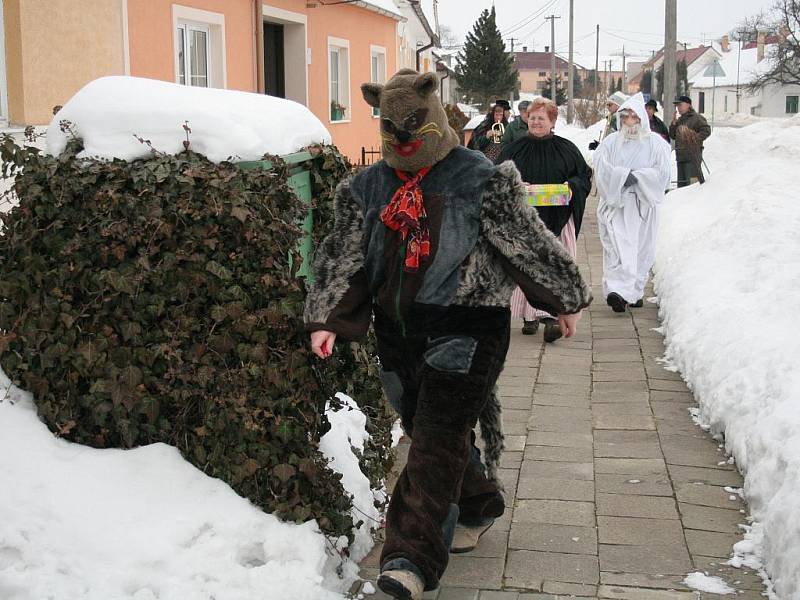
(156, 301)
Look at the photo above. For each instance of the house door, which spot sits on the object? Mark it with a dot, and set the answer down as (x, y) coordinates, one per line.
(274, 60)
(701, 102)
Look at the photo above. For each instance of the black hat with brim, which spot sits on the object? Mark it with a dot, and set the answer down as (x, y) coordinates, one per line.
(652, 103)
(503, 103)
(683, 99)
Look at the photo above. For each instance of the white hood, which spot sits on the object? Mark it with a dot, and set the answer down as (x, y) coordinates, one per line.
(636, 104)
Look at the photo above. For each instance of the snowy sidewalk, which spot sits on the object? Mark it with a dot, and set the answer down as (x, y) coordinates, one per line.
(612, 490)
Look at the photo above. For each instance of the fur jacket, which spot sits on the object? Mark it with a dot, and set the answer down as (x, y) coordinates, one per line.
(484, 241)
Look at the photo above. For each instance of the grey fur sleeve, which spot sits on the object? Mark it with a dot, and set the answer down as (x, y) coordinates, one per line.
(339, 299)
(530, 254)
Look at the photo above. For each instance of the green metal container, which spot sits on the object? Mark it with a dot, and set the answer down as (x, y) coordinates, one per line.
(300, 182)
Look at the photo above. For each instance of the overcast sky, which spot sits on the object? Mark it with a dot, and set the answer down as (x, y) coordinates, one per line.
(636, 24)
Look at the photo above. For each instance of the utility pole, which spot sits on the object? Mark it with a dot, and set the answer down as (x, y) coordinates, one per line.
(552, 19)
(570, 75)
(624, 72)
(512, 40)
(597, 63)
(738, 68)
(670, 59)
(605, 83)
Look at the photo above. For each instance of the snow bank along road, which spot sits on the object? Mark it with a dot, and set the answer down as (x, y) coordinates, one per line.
(728, 281)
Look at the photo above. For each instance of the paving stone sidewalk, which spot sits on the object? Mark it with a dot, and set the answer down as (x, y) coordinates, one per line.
(612, 491)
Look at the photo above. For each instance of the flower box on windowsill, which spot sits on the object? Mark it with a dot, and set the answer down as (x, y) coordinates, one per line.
(337, 112)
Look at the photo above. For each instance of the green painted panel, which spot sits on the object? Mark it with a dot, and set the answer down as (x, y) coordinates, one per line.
(300, 181)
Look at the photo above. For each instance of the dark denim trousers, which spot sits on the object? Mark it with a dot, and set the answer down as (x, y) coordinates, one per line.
(439, 382)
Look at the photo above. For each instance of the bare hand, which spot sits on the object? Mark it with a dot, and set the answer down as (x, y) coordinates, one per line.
(569, 323)
(322, 343)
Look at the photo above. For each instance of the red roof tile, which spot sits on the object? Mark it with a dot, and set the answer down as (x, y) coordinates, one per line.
(538, 61)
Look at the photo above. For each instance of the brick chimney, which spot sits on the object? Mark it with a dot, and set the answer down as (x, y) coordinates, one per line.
(760, 42)
(546, 49)
(524, 48)
(725, 43)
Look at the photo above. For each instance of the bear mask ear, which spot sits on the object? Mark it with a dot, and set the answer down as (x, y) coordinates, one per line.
(426, 84)
(372, 93)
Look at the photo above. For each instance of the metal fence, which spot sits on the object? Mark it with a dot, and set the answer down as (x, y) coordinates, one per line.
(369, 156)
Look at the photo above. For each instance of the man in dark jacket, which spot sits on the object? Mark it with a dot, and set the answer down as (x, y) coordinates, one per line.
(656, 124)
(689, 129)
(518, 128)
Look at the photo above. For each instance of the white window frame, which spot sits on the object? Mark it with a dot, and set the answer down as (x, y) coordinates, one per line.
(188, 28)
(786, 103)
(380, 53)
(188, 18)
(343, 84)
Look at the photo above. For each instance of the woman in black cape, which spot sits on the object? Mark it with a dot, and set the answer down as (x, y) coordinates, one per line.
(543, 157)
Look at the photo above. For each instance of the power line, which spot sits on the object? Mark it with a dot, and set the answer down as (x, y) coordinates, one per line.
(530, 18)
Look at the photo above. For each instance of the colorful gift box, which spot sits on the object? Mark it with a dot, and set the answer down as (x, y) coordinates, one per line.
(548, 194)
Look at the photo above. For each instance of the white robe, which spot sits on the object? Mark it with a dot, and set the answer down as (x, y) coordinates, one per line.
(628, 217)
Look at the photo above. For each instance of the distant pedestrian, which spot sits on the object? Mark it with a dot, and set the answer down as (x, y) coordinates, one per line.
(518, 128)
(689, 129)
(613, 103)
(632, 167)
(488, 135)
(656, 124)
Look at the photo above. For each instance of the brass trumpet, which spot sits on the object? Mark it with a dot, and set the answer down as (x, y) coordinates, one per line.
(498, 129)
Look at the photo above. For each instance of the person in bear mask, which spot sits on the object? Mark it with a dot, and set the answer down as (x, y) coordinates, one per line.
(431, 241)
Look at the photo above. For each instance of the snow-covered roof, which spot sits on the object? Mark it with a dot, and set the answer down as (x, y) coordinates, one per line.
(387, 7)
(749, 69)
(109, 112)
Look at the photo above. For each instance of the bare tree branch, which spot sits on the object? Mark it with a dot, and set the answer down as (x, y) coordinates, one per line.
(783, 57)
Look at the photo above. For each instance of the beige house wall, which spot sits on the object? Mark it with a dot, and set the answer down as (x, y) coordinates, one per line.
(55, 47)
(531, 82)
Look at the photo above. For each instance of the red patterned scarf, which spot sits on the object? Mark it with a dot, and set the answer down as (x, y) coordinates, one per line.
(406, 214)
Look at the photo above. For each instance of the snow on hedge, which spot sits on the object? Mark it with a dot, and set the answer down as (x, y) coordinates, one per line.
(144, 524)
(109, 112)
(728, 282)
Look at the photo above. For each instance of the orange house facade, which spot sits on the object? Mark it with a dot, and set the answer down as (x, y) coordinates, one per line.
(308, 52)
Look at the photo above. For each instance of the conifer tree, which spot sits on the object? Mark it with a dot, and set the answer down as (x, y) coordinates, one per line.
(561, 91)
(484, 70)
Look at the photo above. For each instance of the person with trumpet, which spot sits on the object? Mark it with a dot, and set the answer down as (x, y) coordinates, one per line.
(488, 136)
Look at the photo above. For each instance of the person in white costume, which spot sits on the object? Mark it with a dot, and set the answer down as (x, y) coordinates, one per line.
(632, 168)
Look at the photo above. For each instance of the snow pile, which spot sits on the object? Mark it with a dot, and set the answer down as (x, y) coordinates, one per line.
(736, 120)
(348, 430)
(581, 137)
(728, 277)
(142, 524)
(109, 112)
(704, 583)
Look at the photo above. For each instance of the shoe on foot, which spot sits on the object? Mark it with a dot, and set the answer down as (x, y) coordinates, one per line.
(466, 538)
(638, 304)
(552, 331)
(530, 327)
(616, 302)
(401, 584)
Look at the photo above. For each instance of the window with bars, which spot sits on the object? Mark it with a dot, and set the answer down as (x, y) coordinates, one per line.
(192, 47)
(792, 105)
